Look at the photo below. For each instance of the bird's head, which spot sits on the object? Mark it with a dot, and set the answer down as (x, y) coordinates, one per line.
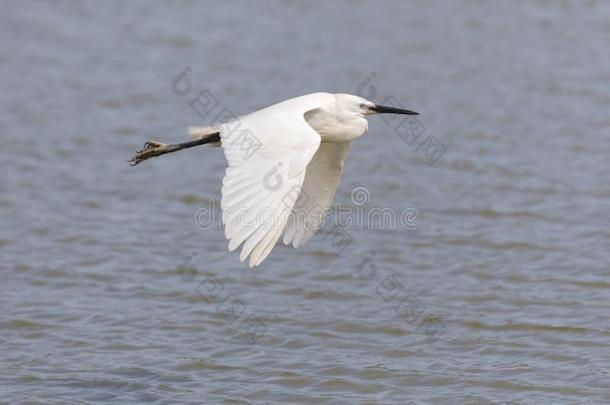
(364, 107)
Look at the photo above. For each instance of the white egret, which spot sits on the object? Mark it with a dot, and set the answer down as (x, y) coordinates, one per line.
(284, 165)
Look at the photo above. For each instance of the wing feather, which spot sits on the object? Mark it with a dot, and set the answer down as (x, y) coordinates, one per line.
(317, 194)
(258, 191)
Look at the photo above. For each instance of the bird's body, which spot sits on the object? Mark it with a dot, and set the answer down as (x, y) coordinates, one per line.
(284, 165)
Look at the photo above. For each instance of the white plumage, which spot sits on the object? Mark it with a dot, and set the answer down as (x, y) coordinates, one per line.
(302, 166)
(285, 181)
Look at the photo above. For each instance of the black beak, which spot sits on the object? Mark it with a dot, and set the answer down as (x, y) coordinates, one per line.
(391, 110)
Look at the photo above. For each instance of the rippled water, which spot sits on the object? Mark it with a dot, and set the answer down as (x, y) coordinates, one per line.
(112, 293)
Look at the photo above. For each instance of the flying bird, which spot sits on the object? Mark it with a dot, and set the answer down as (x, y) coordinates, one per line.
(284, 166)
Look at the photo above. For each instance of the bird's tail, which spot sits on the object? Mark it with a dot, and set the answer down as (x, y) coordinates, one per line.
(202, 132)
(209, 133)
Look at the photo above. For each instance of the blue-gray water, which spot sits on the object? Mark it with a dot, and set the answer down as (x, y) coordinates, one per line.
(110, 292)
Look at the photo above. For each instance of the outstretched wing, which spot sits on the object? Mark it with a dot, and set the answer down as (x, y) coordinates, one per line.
(317, 194)
(268, 153)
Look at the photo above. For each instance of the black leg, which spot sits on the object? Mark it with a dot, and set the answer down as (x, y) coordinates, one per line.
(152, 148)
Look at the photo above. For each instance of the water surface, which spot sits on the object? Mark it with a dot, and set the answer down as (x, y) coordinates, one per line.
(112, 293)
